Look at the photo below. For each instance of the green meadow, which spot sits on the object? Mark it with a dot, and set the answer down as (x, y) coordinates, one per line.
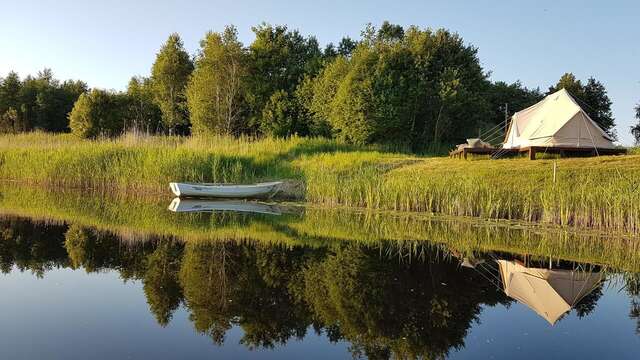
(599, 192)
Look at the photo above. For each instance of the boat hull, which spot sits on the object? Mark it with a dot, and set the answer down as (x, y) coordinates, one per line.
(224, 191)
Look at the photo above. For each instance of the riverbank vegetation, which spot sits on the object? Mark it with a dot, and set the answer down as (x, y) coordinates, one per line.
(137, 220)
(421, 89)
(600, 192)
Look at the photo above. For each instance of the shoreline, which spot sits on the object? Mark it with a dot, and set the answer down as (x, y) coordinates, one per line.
(593, 193)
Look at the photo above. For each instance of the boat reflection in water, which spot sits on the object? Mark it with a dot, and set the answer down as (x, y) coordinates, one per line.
(549, 292)
(198, 205)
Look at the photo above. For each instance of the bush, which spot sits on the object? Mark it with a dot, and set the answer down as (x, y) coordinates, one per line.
(98, 112)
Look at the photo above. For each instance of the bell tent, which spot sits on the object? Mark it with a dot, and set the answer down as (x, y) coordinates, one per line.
(556, 121)
(550, 293)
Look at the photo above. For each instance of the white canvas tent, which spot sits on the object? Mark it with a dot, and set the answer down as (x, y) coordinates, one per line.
(550, 293)
(556, 121)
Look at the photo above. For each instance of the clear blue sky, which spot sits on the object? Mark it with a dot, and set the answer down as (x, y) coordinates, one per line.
(106, 42)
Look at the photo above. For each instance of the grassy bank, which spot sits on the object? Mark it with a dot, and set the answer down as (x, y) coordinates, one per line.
(601, 192)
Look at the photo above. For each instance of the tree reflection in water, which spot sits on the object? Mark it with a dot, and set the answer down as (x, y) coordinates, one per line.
(384, 306)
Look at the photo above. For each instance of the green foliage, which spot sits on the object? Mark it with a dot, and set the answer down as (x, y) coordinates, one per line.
(592, 98)
(40, 102)
(510, 98)
(169, 75)
(328, 172)
(397, 298)
(142, 113)
(317, 95)
(599, 105)
(279, 59)
(161, 285)
(346, 46)
(279, 115)
(216, 91)
(407, 87)
(10, 92)
(568, 82)
(98, 112)
(9, 121)
(77, 239)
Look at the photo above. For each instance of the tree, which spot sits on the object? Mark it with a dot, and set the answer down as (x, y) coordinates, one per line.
(98, 112)
(599, 105)
(592, 98)
(317, 95)
(346, 46)
(170, 74)
(216, 91)
(568, 82)
(9, 122)
(279, 115)
(635, 130)
(390, 32)
(143, 114)
(412, 88)
(161, 286)
(509, 98)
(10, 88)
(279, 59)
(40, 102)
(65, 96)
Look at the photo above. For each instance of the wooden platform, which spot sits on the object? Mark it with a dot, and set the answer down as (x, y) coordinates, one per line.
(531, 151)
(568, 151)
(462, 153)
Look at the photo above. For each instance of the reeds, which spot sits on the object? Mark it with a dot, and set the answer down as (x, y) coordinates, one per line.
(600, 192)
(147, 218)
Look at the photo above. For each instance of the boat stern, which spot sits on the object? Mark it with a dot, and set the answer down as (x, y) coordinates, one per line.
(175, 188)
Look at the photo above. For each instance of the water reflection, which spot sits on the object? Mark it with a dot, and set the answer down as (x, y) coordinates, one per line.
(387, 301)
(549, 292)
(199, 205)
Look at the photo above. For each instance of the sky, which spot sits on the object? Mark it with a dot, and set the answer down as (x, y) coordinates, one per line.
(106, 42)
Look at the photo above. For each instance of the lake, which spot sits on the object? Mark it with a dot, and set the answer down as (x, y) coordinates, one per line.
(103, 277)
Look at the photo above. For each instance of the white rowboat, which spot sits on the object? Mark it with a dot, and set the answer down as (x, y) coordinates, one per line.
(224, 191)
(194, 205)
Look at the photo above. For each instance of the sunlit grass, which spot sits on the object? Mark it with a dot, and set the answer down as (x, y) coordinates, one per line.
(601, 192)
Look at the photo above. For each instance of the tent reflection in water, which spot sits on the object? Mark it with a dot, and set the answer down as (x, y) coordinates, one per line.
(550, 293)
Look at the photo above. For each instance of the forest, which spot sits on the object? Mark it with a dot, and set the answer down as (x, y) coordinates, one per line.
(418, 89)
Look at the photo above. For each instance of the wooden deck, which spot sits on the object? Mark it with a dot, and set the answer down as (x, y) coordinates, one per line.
(568, 151)
(531, 151)
(462, 153)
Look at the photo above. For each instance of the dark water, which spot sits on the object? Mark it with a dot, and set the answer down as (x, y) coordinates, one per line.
(72, 291)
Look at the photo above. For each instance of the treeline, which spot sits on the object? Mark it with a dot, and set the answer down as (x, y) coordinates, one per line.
(418, 88)
(39, 102)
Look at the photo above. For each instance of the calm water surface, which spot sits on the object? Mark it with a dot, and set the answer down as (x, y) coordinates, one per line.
(71, 290)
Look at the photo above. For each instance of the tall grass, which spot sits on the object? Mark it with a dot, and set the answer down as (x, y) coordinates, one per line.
(601, 192)
(596, 192)
(139, 218)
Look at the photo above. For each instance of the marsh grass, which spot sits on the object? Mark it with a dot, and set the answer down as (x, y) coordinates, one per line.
(139, 219)
(601, 192)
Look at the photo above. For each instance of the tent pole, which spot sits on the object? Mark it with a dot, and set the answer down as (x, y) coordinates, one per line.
(591, 136)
